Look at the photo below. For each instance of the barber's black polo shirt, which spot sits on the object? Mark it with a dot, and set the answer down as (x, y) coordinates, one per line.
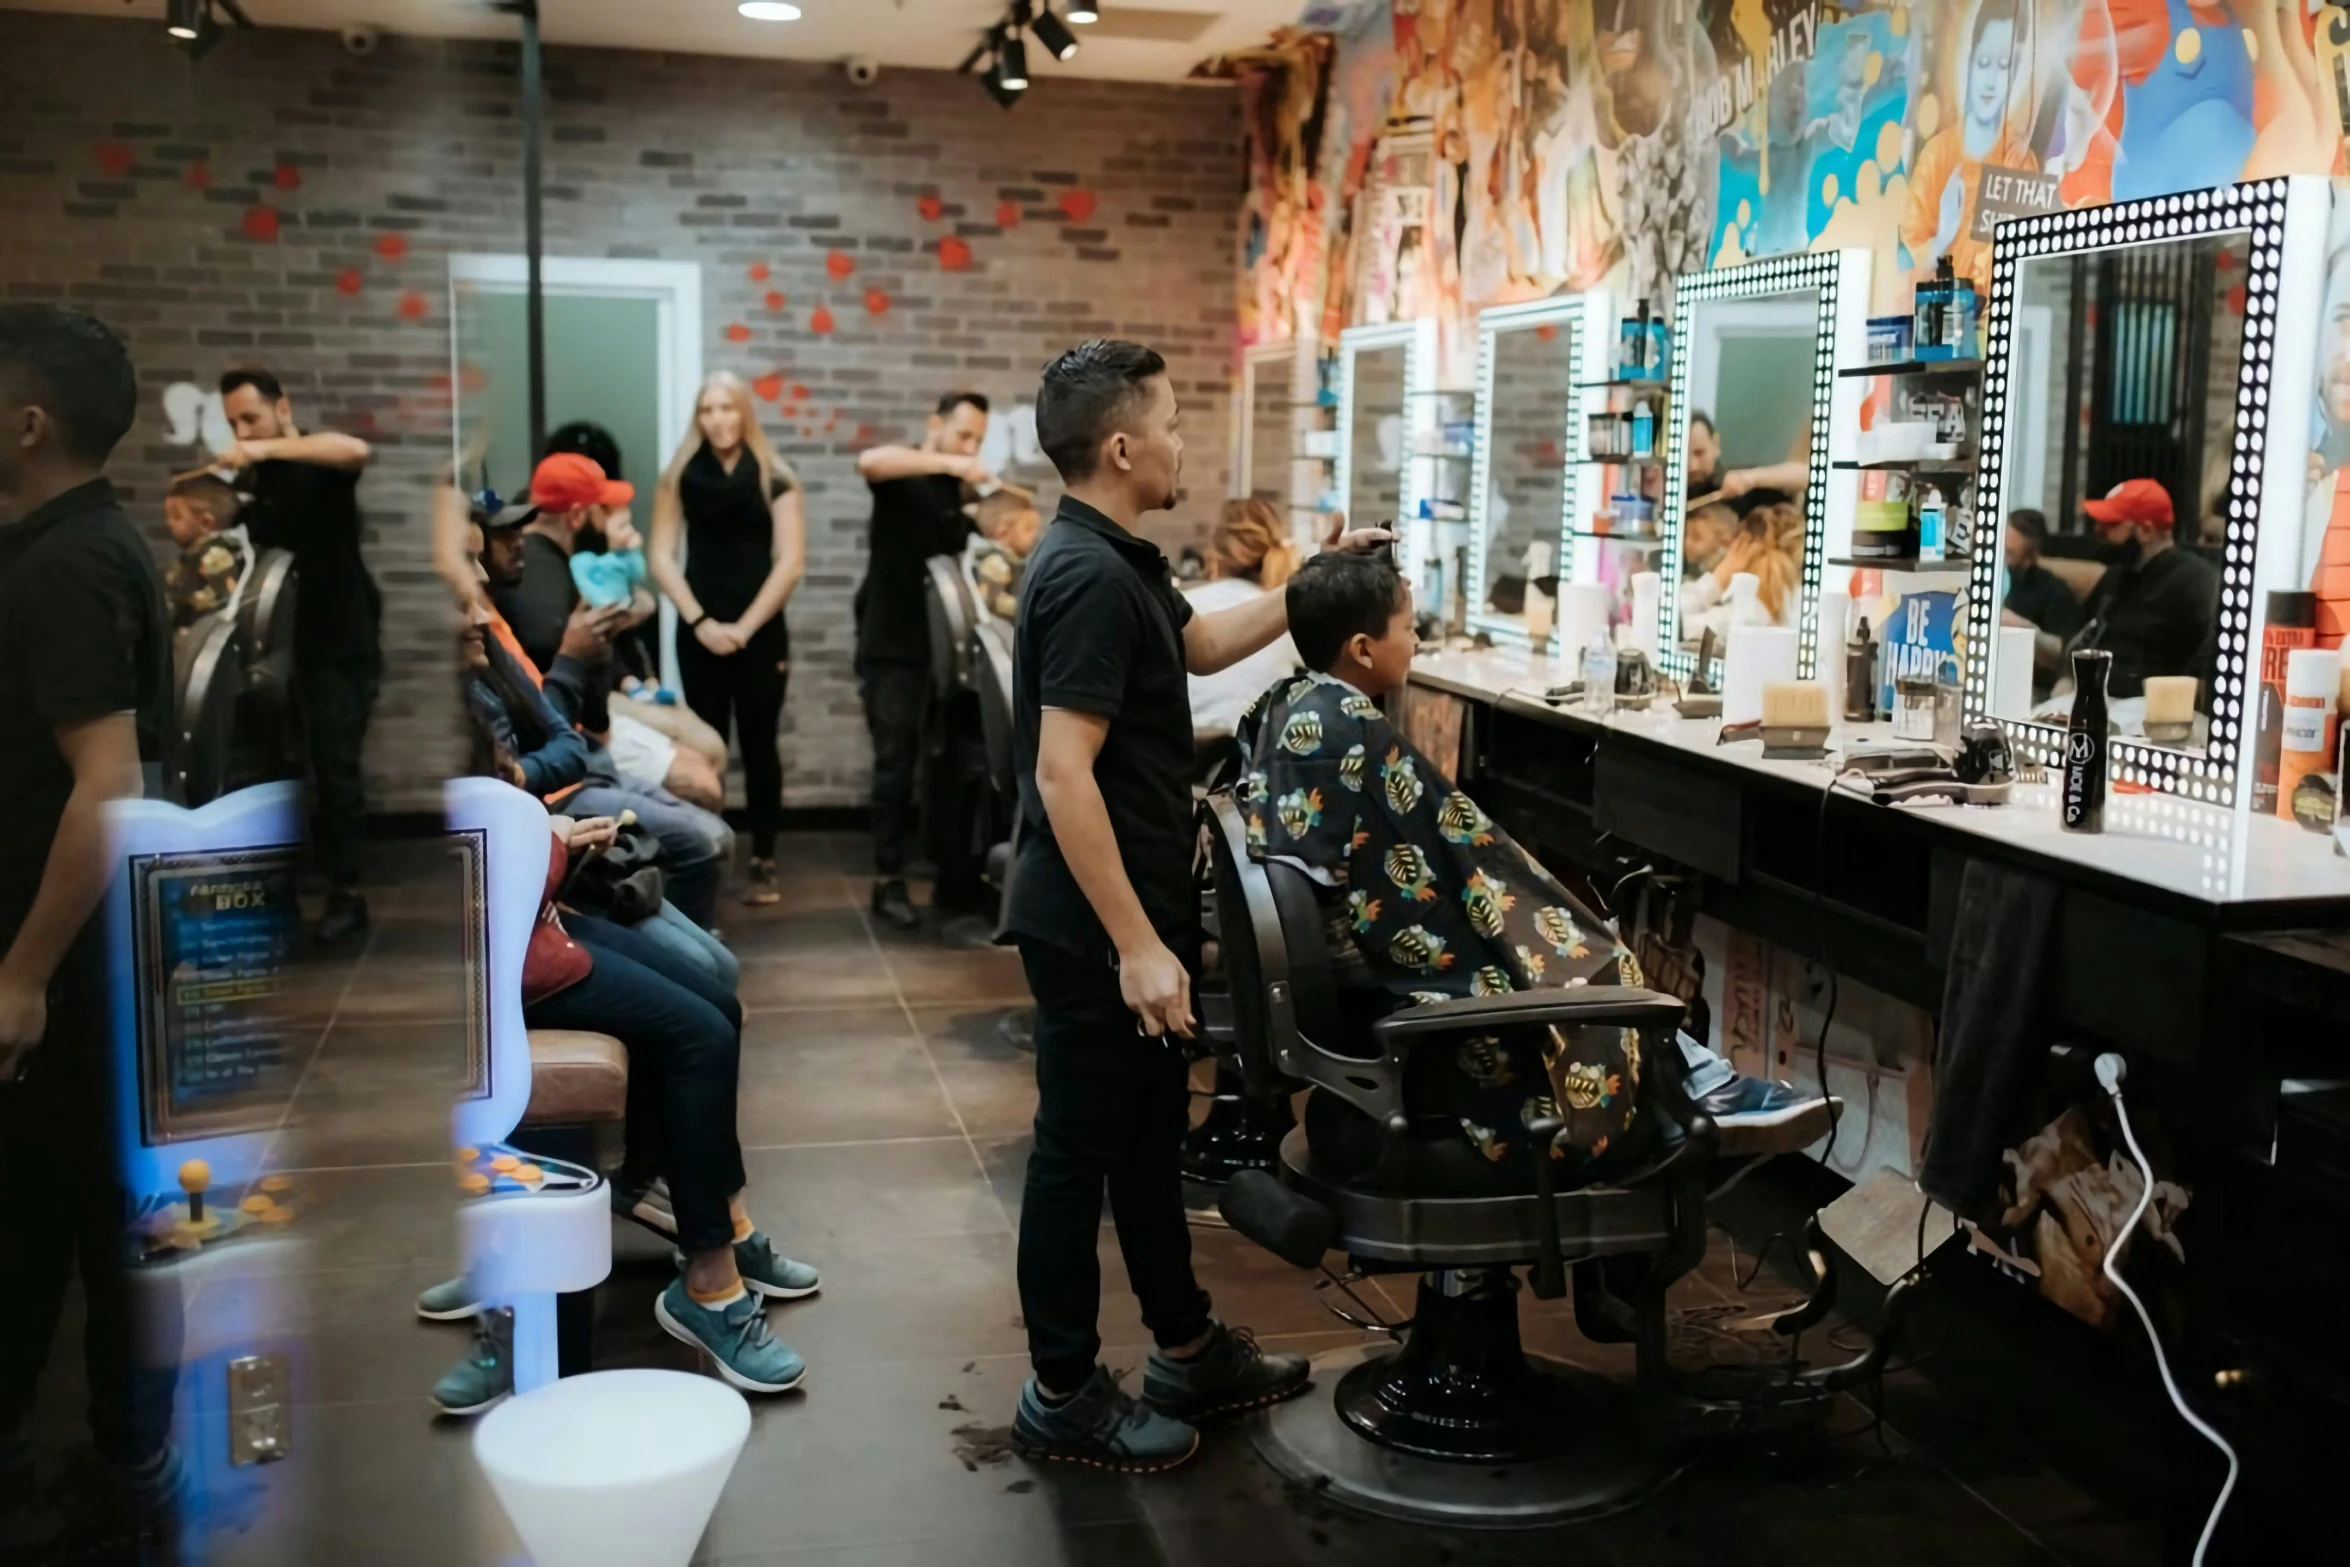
(1100, 631)
(913, 519)
(83, 633)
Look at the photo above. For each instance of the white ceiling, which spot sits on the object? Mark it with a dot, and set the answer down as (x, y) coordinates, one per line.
(934, 33)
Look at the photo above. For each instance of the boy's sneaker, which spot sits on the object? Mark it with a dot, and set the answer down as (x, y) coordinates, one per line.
(486, 1375)
(450, 1302)
(1230, 1375)
(767, 1271)
(759, 888)
(1753, 1115)
(1101, 1426)
(734, 1336)
(646, 1205)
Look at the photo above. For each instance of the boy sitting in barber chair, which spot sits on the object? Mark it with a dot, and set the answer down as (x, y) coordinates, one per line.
(1426, 899)
(201, 512)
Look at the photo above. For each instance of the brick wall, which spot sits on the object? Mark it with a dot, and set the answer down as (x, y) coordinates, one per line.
(287, 204)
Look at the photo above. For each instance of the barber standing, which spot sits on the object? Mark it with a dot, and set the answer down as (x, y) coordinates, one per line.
(85, 695)
(305, 491)
(1103, 909)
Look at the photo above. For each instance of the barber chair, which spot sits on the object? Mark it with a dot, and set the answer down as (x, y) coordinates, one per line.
(208, 663)
(266, 728)
(991, 677)
(947, 598)
(578, 1084)
(1424, 1430)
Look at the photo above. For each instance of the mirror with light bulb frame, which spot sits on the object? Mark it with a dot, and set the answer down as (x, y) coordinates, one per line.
(2227, 283)
(1739, 335)
(1393, 470)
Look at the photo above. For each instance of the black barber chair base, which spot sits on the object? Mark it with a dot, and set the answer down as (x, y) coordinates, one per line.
(1602, 1468)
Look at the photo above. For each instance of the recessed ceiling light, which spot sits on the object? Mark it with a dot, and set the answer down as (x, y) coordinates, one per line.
(769, 11)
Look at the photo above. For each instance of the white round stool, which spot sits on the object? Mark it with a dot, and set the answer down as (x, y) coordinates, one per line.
(614, 1468)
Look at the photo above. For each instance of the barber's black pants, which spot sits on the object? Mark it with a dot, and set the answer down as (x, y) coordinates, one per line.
(896, 694)
(59, 1153)
(1111, 1110)
(337, 697)
(684, 1043)
(741, 696)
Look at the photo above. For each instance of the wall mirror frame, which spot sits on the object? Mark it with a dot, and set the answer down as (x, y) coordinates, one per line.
(1267, 432)
(1840, 280)
(1582, 320)
(2285, 220)
(1417, 341)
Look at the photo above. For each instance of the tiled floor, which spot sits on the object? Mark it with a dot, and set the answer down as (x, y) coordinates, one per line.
(885, 1125)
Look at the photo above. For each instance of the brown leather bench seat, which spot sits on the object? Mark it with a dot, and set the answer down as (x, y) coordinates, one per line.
(576, 1079)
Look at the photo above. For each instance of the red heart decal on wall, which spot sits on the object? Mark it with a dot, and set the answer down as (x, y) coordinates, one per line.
(775, 299)
(758, 271)
(412, 306)
(876, 302)
(348, 280)
(1007, 214)
(820, 322)
(799, 392)
(1077, 205)
(260, 223)
(391, 246)
(287, 177)
(768, 387)
(840, 264)
(738, 333)
(931, 208)
(199, 176)
(115, 157)
(954, 255)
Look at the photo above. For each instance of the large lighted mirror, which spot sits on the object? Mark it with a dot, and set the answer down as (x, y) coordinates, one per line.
(1751, 499)
(1393, 438)
(1522, 492)
(2130, 407)
(1269, 433)
(1375, 438)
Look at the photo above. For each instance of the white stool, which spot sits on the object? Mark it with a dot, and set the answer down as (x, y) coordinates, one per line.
(614, 1468)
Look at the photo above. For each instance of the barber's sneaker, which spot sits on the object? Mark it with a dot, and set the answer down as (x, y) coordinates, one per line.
(1756, 1116)
(767, 1271)
(1103, 1427)
(734, 1336)
(345, 923)
(759, 889)
(893, 906)
(646, 1205)
(453, 1301)
(485, 1376)
(1230, 1375)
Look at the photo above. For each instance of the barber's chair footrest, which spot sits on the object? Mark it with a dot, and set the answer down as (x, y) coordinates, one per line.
(1604, 1469)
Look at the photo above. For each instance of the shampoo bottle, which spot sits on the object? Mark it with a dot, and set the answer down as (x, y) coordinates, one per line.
(1643, 432)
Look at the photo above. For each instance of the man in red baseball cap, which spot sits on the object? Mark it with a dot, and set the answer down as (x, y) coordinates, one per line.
(2155, 609)
(530, 569)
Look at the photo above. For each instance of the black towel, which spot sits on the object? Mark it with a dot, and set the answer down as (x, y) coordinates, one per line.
(1990, 998)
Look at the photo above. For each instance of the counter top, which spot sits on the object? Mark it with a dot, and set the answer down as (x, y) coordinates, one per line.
(2204, 853)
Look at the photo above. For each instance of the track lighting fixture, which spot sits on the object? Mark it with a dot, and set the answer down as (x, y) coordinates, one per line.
(1084, 11)
(183, 19)
(1001, 57)
(1054, 34)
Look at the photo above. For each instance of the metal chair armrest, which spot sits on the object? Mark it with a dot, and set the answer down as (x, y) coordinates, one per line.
(1584, 1006)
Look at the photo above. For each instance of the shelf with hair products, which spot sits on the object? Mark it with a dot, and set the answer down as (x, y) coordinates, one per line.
(2147, 442)
(1754, 500)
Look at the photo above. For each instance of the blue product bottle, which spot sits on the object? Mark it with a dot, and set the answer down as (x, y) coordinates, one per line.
(1660, 348)
(1961, 312)
(1643, 432)
(1632, 344)
(1930, 338)
(1931, 516)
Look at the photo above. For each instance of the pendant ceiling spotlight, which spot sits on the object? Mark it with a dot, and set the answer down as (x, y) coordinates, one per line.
(1001, 58)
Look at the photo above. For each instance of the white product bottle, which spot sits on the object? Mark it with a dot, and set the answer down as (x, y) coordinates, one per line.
(1599, 675)
(1746, 606)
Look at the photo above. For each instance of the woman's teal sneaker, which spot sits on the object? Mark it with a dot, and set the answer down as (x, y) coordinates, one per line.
(767, 1271)
(486, 1374)
(450, 1302)
(734, 1336)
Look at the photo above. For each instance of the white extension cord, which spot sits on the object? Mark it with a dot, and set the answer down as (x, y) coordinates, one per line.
(2111, 1069)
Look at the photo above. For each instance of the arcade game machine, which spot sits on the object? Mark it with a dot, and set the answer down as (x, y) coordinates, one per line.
(203, 934)
(533, 1227)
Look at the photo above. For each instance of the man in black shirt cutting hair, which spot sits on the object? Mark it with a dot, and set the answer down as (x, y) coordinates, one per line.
(917, 513)
(305, 491)
(85, 702)
(1103, 909)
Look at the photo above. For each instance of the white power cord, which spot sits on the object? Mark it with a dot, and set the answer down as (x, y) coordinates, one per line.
(2111, 1069)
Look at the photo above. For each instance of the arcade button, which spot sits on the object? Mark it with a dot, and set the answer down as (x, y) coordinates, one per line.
(473, 1183)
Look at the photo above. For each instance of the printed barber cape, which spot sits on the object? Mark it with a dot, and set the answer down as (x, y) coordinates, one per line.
(1438, 903)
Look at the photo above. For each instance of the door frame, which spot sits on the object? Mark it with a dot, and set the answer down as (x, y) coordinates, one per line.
(675, 287)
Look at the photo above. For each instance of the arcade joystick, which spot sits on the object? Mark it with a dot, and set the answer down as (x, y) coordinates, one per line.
(196, 1180)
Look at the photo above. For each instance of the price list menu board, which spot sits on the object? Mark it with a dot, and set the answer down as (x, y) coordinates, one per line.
(217, 937)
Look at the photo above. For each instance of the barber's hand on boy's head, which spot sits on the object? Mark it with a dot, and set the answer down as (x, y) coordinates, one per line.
(1362, 541)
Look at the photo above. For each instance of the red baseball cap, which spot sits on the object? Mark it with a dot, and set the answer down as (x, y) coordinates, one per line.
(2132, 500)
(566, 480)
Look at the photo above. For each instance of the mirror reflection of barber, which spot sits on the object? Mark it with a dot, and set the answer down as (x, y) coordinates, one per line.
(2156, 607)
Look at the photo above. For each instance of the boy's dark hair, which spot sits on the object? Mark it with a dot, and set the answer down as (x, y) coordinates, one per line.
(1085, 393)
(954, 400)
(590, 440)
(212, 495)
(1336, 594)
(72, 365)
(260, 380)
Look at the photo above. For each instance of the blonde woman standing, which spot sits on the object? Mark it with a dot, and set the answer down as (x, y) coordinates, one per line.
(735, 508)
(1250, 554)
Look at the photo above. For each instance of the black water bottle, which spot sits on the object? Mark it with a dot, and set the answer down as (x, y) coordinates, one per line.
(2085, 743)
